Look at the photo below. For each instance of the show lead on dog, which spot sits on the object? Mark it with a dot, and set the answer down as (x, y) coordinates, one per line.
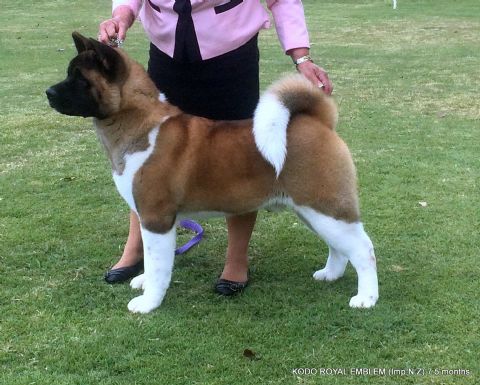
(204, 58)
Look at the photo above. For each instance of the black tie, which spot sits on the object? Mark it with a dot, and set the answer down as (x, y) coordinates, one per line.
(186, 43)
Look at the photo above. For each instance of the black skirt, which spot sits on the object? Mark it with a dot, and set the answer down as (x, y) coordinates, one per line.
(223, 88)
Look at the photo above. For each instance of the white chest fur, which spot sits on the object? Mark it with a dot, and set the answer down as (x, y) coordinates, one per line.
(133, 162)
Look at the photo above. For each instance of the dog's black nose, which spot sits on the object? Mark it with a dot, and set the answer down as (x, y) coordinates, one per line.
(51, 93)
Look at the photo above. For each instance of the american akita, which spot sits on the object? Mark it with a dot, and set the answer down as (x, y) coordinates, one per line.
(167, 164)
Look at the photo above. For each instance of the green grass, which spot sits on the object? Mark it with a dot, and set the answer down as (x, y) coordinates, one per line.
(406, 82)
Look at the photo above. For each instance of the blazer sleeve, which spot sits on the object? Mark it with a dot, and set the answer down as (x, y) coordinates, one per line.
(135, 5)
(289, 18)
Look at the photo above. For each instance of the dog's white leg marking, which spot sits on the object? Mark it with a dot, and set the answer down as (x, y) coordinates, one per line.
(270, 123)
(138, 282)
(159, 253)
(334, 268)
(350, 240)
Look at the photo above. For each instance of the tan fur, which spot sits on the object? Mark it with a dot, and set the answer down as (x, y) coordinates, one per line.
(300, 95)
(204, 165)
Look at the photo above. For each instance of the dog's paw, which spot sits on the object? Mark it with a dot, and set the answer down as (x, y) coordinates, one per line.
(143, 304)
(325, 275)
(364, 302)
(138, 282)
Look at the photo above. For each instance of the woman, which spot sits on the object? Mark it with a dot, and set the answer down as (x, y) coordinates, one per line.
(204, 58)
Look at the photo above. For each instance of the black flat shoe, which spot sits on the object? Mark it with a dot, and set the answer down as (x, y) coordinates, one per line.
(123, 274)
(229, 288)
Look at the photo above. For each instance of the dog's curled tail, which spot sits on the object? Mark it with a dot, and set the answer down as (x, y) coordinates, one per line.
(284, 99)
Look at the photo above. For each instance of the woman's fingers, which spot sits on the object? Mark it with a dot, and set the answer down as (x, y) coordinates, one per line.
(322, 76)
(108, 30)
(316, 75)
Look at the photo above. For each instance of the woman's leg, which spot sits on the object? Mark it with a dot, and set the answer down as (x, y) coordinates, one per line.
(240, 228)
(133, 250)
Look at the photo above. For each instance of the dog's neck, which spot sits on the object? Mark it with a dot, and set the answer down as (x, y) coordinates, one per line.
(126, 132)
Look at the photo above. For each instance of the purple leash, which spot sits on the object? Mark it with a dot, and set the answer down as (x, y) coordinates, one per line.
(196, 228)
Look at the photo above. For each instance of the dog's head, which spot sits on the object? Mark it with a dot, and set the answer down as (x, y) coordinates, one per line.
(94, 81)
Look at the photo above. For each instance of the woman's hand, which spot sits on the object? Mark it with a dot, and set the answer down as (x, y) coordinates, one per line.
(116, 27)
(317, 75)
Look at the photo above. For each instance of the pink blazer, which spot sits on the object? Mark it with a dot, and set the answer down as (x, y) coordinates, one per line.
(221, 25)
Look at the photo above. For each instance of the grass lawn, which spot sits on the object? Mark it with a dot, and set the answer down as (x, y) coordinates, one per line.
(406, 82)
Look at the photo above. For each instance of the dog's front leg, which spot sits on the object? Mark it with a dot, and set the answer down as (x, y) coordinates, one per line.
(159, 253)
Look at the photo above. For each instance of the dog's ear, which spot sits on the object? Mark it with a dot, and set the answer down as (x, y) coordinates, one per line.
(81, 42)
(111, 61)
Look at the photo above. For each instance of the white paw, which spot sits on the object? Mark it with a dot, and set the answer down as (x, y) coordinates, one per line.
(325, 275)
(363, 301)
(138, 282)
(144, 304)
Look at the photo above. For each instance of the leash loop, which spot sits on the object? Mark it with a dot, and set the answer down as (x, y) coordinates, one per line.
(196, 228)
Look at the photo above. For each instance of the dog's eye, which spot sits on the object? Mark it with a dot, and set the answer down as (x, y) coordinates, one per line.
(84, 82)
(81, 80)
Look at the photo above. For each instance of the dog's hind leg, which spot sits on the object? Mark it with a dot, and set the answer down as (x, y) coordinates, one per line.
(159, 253)
(334, 268)
(348, 241)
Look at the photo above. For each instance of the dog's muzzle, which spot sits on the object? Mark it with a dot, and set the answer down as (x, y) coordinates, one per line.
(52, 95)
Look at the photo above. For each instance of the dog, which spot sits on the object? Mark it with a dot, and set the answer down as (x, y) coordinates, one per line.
(169, 165)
